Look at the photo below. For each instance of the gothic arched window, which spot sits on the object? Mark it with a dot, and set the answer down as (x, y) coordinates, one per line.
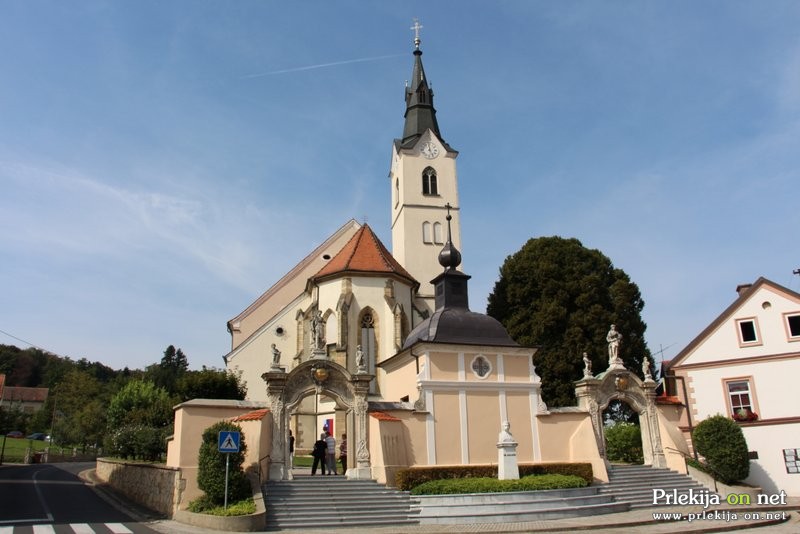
(429, 185)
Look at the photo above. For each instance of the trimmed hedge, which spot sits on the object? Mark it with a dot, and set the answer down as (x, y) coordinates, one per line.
(407, 479)
(211, 467)
(492, 485)
(721, 442)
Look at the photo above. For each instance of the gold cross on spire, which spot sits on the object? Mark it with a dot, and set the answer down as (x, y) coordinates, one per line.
(416, 27)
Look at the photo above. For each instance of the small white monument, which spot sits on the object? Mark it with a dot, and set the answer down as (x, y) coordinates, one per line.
(507, 468)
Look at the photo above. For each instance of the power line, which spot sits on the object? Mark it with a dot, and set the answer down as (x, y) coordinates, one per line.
(27, 342)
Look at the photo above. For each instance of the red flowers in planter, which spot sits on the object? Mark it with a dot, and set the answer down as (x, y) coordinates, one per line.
(744, 415)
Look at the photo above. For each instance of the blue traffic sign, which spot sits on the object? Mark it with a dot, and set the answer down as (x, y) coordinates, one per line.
(228, 441)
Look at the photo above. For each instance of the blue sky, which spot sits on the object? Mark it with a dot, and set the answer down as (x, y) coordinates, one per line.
(164, 163)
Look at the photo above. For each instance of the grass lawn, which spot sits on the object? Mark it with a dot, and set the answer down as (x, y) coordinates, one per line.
(15, 448)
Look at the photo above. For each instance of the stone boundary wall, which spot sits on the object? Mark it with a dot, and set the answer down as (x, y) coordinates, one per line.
(156, 487)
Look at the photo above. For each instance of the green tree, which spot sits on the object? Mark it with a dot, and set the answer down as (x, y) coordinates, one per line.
(211, 467)
(721, 442)
(80, 402)
(140, 402)
(556, 294)
(624, 443)
(172, 367)
(211, 384)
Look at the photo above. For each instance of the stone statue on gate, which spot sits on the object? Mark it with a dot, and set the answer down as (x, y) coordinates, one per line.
(648, 376)
(614, 339)
(587, 366)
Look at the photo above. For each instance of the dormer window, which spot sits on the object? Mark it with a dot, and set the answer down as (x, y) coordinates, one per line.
(429, 185)
(748, 332)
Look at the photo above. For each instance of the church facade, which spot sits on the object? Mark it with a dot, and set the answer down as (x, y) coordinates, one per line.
(382, 346)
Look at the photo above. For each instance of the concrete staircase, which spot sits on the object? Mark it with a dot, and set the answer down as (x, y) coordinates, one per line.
(634, 484)
(333, 501)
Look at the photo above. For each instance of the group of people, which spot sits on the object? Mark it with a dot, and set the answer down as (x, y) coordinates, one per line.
(324, 454)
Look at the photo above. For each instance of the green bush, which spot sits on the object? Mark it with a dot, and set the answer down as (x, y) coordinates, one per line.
(721, 442)
(137, 442)
(211, 467)
(492, 485)
(203, 505)
(624, 443)
(406, 479)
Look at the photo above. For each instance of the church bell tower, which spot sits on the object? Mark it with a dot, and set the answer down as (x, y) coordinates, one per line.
(423, 180)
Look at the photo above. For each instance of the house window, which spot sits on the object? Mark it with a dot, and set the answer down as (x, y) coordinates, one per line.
(740, 397)
(793, 326)
(748, 332)
(427, 233)
(791, 458)
(429, 185)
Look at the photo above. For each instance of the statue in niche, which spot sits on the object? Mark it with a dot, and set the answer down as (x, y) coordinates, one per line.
(614, 338)
(317, 331)
(361, 364)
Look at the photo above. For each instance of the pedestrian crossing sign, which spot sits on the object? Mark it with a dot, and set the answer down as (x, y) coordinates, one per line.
(228, 441)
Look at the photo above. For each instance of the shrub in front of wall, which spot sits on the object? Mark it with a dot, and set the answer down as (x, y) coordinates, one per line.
(211, 467)
(721, 442)
(406, 479)
(492, 485)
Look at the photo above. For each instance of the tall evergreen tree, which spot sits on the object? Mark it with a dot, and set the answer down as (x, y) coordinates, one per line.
(557, 294)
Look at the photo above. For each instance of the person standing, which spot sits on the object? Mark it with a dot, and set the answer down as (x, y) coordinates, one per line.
(343, 453)
(330, 441)
(319, 452)
(291, 450)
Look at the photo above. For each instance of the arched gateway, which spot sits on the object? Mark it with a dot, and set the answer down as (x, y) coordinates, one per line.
(322, 376)
(596, 392)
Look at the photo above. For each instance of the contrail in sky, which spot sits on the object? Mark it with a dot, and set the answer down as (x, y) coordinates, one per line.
(320, 66)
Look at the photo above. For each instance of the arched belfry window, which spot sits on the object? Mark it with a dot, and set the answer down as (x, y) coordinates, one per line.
(369, 342)
(438, 233)
(429, 184)
(427, 233)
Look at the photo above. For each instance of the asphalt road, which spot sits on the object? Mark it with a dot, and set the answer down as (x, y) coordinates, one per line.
(51, 498)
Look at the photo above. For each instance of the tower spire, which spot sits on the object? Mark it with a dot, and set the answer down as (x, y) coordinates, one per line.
(420, 114)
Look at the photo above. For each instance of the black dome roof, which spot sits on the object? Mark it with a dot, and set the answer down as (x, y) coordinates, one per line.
(459, 325)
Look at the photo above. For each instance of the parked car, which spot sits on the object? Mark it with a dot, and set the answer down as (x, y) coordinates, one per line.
(15, 434)
(37, 435)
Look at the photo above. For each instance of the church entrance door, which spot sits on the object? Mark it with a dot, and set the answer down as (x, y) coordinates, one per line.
(324, 379)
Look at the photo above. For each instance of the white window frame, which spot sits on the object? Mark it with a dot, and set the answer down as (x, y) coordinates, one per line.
(789, 335)
(756, 331)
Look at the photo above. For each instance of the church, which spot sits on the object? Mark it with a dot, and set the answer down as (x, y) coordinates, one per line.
(382, 346)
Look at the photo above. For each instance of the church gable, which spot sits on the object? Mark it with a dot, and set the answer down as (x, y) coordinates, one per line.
(289, 287)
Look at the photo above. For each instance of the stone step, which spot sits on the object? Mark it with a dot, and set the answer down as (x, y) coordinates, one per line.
(335, 521)
(321, 502)
(494, 514)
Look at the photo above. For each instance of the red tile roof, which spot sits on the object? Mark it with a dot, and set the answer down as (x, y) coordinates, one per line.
(255, 415)
(19, 394)
(364, 254)
(383, 416)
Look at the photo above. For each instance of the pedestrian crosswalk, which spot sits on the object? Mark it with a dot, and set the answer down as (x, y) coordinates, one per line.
(70, 528)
